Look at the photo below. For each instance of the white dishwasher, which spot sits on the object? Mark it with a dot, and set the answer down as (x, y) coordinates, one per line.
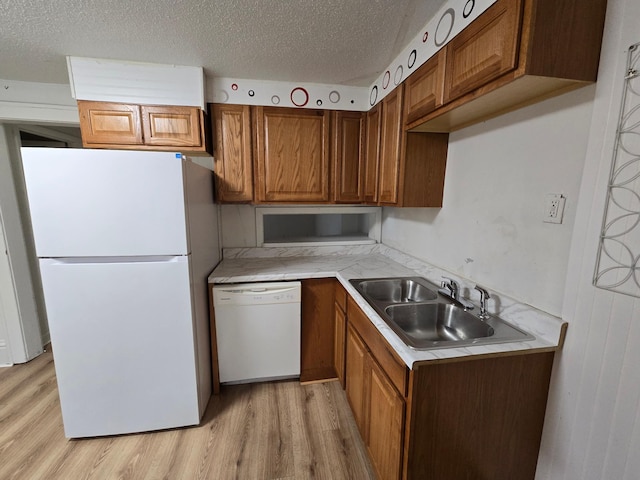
(257, 331)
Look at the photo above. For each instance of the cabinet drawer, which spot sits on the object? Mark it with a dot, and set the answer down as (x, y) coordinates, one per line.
(392, 365)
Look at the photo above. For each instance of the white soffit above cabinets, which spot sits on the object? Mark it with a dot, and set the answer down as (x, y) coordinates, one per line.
(136, 82)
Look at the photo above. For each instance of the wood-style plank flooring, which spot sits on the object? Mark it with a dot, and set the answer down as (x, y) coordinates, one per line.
(261, 431)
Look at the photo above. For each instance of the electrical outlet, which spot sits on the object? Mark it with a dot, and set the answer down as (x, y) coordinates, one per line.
(553, 208)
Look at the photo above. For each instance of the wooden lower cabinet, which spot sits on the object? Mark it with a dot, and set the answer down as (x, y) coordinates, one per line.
(356, 363)
(463, 419)
(385, 421)
(317, 330)
(340, 331)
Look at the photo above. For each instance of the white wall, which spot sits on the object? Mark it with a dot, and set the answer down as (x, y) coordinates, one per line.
(490, 228)
(24, 323)
(24, 320)
(8, 302)
(592, 429)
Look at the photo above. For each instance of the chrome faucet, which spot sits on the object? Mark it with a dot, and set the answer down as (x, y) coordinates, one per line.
(484, 296)
(451, 288)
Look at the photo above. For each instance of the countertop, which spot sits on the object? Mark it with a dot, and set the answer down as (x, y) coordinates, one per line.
(376, 261)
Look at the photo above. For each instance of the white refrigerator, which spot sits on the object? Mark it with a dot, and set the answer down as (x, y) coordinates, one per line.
(125, 242)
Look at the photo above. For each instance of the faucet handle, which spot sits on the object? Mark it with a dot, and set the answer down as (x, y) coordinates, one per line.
(451, 282)
(484, 296)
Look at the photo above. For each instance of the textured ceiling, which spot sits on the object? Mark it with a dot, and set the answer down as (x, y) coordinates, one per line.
(345, 42)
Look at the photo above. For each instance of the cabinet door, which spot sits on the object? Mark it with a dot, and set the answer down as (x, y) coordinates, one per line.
(390, 147)
(372, 154)
(292, 155)
(109, 123)
(424, 89)
(233, 158)
(348, 157)
(484, 50)
(339, 344)
(385, 424)
(317, 332)
(171, 125)
(355, 377)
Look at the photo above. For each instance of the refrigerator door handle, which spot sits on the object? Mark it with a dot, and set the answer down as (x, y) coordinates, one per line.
(98, 260)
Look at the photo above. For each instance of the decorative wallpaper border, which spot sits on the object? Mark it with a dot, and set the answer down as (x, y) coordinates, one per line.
(452, 18)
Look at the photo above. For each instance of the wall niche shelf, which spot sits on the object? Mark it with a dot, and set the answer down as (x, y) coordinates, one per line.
(317, 226)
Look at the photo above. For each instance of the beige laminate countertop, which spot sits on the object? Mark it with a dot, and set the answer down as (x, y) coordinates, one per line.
(378, 262)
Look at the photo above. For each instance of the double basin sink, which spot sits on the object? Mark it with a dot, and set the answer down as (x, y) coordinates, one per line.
(425, 319)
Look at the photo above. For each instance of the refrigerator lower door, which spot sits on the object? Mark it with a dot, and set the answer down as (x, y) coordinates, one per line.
(123, 343)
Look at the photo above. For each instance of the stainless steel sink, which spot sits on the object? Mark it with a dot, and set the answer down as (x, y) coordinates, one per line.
(425, 319)
(397, 290)
(434, 322)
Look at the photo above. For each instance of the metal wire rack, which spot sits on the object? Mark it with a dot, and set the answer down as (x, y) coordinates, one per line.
(618, 260)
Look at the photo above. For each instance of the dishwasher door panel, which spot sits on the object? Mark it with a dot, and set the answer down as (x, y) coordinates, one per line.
(257, 342)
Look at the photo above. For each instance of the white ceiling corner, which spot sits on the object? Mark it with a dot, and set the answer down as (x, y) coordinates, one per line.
(331, 41)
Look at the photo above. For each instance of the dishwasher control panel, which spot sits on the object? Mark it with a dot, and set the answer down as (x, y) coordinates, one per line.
(256, 293)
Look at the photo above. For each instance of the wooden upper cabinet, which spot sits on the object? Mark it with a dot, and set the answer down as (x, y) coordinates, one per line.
(424, 89)
(233, 156)
(515, 53)
(143, 127)
(172, 125)
(348, 157)
(485, 50)
(390, 147)
(110, 123)
(292, 155)
(373, 126)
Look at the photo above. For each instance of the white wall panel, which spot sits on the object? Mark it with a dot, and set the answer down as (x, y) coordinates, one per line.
(490, 228)
(135, 82)
(592, 429)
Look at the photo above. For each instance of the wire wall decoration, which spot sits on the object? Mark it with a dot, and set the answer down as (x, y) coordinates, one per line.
(618, 260)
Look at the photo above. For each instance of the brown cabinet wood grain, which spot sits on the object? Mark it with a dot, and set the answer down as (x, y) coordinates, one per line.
(356, 376)
(385, 423)
(348, 157)
(416, 422)
(412, 164)
(291, 155)
(390, 147)
(373, 127)
(233, 159)
(516, 53)
(424, 89)
(340, 322)
(317, 330)
(143, 127)
(103, 123)
(172, 126)
(377, 405)
(485, 50)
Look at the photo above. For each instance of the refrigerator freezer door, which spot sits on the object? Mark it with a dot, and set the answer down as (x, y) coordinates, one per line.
(123, 344)
(95, 203)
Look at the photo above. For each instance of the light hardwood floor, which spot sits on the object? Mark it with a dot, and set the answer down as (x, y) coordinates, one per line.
(278, 430)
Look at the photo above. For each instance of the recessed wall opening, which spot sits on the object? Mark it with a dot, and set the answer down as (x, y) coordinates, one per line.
(300, 226)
